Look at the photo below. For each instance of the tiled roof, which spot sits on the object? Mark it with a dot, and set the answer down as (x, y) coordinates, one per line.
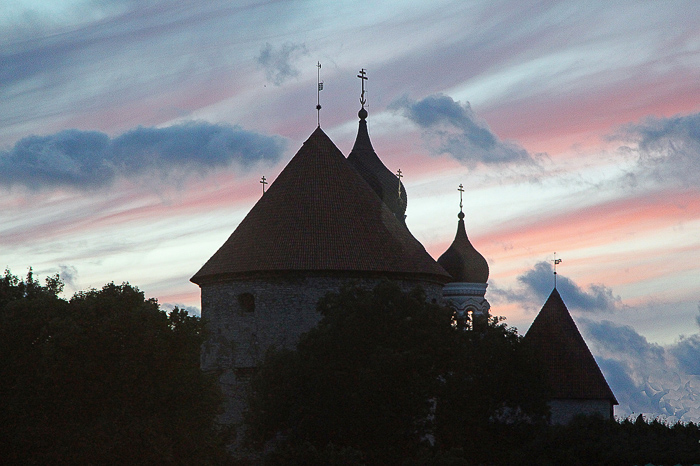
(320, 215)
(462, 261)
(571, 371)
(381, 179)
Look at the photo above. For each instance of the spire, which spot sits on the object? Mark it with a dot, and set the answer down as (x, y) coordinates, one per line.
(461, 190)
(318, 93)
(462, 260)
(363, 100)
(365, 161)
(556, 262)
(399, 176)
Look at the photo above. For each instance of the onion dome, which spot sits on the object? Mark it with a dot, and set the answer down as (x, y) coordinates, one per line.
(462, 261)
(385, 183)
(570, 369)
(320, 215)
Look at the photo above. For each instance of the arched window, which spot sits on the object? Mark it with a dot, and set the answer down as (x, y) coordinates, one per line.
(247, 302)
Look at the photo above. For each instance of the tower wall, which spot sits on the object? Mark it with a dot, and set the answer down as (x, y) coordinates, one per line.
(246, 317)
(467, 297)
(564, 411)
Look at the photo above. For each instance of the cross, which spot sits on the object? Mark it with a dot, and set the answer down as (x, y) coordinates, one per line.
(363, 77)
(263, 182)
(461, 190)
(556, 262)
(399, 175)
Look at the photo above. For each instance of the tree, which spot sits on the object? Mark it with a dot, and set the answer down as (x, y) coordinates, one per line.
(591, 440)
(106, 377)
(391, 376)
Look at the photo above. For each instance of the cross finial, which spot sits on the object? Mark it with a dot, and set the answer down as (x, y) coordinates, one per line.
(318, 95)
(399, 176)
(556, 262)
(363, 78)
(263, 182)
(461, 190)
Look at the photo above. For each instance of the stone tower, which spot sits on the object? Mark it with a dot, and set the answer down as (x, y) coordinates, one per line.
(575, 381)
(318, 227)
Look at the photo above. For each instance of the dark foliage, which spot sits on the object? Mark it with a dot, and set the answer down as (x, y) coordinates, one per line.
(586, 441)
(591, 440)
(386, 377)
(105, 378)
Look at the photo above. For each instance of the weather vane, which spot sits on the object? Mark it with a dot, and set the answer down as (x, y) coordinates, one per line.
(399, 176)
(263, 182)
(556, 262)
(318, 94)
(461, 190)
(363, 77)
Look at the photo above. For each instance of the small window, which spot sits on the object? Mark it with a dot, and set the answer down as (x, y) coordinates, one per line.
(247, 302)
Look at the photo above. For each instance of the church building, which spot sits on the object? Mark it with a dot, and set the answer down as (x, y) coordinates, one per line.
(325, 222)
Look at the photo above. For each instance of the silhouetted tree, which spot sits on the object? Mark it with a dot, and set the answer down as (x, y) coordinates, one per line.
(105, 378)
(389, 377)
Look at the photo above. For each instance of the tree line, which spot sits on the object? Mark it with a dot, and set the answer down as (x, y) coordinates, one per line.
(107, 377)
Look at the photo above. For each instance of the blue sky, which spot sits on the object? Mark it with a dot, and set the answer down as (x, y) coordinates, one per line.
(133, 136)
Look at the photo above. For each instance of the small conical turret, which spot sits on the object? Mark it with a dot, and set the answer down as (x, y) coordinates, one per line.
(366, 162)
(469, 271)
(577, 385)
(462, 260)
(364, 159)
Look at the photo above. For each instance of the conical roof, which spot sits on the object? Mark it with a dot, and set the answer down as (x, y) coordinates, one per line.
(462, 260)
(320, 215)
(381, 179)
(570, 368)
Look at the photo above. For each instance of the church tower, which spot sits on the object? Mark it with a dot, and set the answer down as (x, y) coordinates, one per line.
(469, 271)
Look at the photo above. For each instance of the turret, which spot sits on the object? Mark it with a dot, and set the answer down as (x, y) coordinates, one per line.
(469, 271)
(366, 162)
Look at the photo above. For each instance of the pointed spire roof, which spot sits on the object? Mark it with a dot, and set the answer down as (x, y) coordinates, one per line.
(462, 260)
(386, 184)
(320, 215)
(571, 370)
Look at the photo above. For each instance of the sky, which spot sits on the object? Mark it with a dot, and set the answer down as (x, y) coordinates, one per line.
(134, 134)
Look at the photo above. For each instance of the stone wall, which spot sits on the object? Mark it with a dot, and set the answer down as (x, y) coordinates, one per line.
(246, 317)
(563, 411)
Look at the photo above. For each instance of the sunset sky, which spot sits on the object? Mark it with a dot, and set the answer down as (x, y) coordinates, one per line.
(133, 135)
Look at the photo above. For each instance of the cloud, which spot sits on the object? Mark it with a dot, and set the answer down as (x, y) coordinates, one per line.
(68, 274)
(687, 353)
(452, 128)
(668, 148)
(277, 63)
(191, 310)
(537, 285)
(90, 159)
(649, 379)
